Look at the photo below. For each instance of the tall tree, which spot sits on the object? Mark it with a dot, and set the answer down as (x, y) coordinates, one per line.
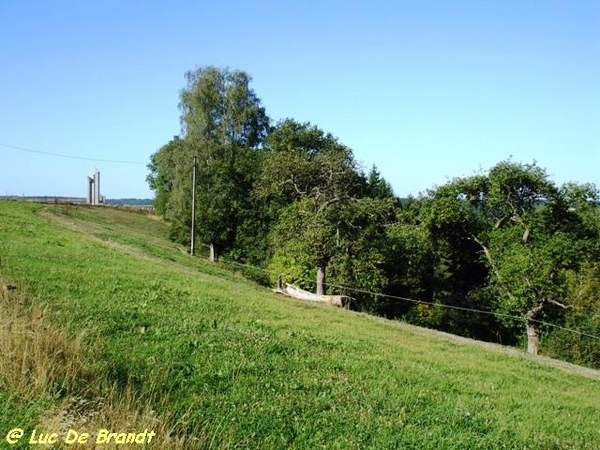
(452, 218)
(409, 266)
(528, 236)
(223, 123)
(377, 186)
(311, 170)
(362, 250)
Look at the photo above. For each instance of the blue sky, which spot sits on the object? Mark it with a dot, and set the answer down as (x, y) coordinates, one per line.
(426, 90)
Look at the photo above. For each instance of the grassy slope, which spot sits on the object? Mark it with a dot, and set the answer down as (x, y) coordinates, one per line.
(244, 368)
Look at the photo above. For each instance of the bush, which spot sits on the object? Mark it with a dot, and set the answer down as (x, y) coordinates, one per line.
(575, 347)
(582, 345)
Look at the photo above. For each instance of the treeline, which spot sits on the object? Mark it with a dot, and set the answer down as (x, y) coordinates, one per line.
(129, 201)
(509, 250)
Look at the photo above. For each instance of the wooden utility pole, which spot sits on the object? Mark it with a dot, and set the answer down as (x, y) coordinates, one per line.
(193, 240)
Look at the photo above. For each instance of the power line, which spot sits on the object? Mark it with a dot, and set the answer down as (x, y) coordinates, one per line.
(83, 158)
(422, 302)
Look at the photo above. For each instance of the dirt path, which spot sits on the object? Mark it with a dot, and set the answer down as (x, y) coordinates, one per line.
(83, 228)
(512, 351)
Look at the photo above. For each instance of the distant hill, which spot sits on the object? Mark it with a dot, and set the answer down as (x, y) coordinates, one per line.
(59, 199)
(45, 198)
(130, 201)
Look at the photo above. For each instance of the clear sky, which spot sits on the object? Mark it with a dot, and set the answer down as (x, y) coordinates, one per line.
(426, 90)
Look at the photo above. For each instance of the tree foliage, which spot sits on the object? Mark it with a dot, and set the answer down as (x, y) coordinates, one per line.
(524, 231)
(223, 124)
(162, 173)
(496, 256)
(315, 178)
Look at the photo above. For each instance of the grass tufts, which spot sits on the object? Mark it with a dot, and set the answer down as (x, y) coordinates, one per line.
(35, 358)
(38, 360)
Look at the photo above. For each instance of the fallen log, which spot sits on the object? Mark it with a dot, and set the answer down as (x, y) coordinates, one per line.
(343, 301)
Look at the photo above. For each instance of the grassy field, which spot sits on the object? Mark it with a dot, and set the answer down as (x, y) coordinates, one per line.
(110, 325)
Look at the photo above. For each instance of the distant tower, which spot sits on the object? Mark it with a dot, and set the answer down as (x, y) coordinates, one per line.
(90, 190)
(93, 189)
(97, 197)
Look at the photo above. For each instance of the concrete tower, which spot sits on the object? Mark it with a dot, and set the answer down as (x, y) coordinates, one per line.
(93, 189)
(97, 197)
(90, 190)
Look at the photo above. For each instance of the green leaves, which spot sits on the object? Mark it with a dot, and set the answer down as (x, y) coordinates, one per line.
(223, 123)
(219, 107)
(529, 233)
(300, 160)
(293, 198)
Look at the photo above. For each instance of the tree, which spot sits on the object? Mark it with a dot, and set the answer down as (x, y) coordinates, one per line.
(223, 124)
(584, 316)
(362, 250)
(303, 242)
(451, 215)
(346, 242)
(162, 173)
(219, 110)
(313, 177)
(377, 186)
(301, 160)
(528, 236)
(409, 266)
(530, 246)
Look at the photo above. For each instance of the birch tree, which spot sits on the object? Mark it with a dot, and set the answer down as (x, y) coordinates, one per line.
(223, 125)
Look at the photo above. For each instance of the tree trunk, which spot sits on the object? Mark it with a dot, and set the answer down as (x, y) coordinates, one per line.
(212, 255)
(320, 280)
(532, 337)
(532, 328)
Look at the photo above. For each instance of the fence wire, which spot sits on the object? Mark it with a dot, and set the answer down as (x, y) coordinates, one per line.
(423, 302)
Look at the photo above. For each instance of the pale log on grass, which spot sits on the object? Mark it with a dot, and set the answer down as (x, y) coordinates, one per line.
(295, 292)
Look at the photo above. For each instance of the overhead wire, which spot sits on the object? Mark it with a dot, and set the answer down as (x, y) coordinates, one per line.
(434, 304)
(82, 158)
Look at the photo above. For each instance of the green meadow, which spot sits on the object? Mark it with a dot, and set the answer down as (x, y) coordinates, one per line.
(105, 324)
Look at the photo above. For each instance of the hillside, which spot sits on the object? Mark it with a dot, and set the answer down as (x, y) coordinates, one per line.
(116, 327)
